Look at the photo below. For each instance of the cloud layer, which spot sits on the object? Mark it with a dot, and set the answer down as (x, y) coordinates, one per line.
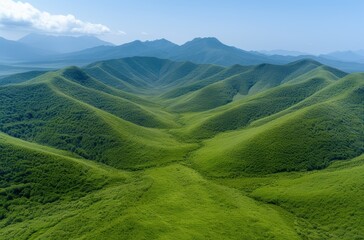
(21, 14)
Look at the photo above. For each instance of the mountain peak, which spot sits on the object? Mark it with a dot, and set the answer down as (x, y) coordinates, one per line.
(305, 61)
(74, 73)
(161, 43)
(208, 41)
(135, 42)
(163, 40)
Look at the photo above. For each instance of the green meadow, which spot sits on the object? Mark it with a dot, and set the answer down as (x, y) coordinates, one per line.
(146, 148)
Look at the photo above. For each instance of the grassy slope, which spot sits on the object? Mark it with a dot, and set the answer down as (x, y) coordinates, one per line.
(93, 201)
(20, 77)
(87, 200)
(328, 130)
(242, 113)
(40, 112)
(72, 111)
(34, 175)
(175, 201)
(330, 200)
(242, 83)
(326, 203)
(141, 74)
(120, 107)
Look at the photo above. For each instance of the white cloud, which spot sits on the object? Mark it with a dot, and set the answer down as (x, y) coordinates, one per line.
(22, 14)
(119, 32)
(144, 33)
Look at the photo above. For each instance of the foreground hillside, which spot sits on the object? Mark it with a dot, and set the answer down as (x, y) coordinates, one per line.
(145, 148)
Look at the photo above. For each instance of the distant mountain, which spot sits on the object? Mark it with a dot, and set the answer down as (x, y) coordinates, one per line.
(15, 51)
(161, 44)
(212, 51)
(199, 50)
(347, 56)
(360, 52)
(62, 44)
(283, 52)
(6, 70)
(157, 48)
(346, 66)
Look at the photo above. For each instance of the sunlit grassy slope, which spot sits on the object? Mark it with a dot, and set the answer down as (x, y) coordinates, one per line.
(166, 202)
(327, 203)
(145, 148)
(305, 139)
(20, 77)
(47, 113)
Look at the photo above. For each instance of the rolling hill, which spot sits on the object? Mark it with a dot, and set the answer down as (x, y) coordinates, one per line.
(149, 148)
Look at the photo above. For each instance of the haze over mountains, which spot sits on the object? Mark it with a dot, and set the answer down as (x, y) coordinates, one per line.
(354, 56)
(15, 51)
(53, 52)
(283, 52)
(34, 46)
(61, 44)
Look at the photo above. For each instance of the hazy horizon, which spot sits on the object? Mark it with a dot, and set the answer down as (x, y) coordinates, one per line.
(309, 27)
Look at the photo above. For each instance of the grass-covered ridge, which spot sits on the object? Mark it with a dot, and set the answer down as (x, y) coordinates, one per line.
(146, 148)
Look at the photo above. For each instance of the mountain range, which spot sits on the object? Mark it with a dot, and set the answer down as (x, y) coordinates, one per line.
(54, 52)
(150, 148)
(13, 51)
(34, 47)
(283, 52)
(354, 56)
(61, 44)
(199, 50)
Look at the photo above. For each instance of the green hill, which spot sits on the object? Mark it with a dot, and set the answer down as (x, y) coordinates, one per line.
(238, 84)
(328, 130)
(146, 148)
(325, 202)
(20, 77)
(87, 200)
(242, 112)
(45, 114)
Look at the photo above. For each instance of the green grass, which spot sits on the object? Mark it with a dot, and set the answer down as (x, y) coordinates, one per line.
(329, 128)
(45, 114)
(242, 113)
(120, 107)
(169, 202)
(326, 133)
(319, 196)
(222, 88)
(326, 203)
(34, 175)
(20, 77)
(144, 148)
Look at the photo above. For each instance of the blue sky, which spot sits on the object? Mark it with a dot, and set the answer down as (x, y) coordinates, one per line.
(314, 26)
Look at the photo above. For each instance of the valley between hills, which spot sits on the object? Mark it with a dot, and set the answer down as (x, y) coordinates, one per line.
(149, 148)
